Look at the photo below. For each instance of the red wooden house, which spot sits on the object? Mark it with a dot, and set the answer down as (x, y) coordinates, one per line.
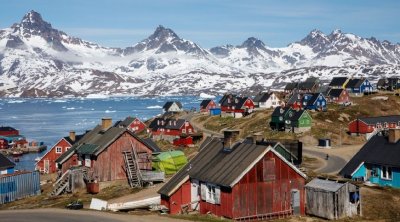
(170, 129)
(101, 149)
(240, 181)
(370, 124)
(207, 104)
(295, 101)
(47, 163)
(235, 106)
(8, 131)
(339, 96)
(132, 124)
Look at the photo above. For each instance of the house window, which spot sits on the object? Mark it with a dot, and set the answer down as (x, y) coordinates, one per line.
(385, 124)
(58, 149)
(398, 124)
(190, 130)
(386, 173)
(183, 130)
(212, 193)
(67, 148)
(269, 169)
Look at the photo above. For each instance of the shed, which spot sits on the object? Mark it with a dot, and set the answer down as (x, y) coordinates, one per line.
(215, 111)
(325, 143)
(332, 200)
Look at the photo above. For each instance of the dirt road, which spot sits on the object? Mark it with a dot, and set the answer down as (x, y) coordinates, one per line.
(61, 215)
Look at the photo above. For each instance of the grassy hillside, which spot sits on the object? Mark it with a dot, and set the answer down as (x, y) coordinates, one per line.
(332, 124)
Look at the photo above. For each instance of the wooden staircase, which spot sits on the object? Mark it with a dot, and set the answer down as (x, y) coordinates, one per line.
(132, 168)
(61, 185)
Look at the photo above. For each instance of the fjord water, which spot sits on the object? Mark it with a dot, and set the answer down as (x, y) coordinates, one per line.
(48, 120)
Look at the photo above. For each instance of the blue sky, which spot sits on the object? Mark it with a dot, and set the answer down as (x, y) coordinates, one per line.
(210, 23)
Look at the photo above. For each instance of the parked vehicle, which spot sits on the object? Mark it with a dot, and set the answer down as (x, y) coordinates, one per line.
(75, 205)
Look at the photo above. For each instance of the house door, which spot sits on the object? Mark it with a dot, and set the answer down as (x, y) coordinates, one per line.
(295, 201)
(195, 195)
(46, 166)
(87, 160)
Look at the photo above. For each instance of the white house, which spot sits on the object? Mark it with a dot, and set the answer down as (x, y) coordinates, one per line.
(173, 106)
(265, 100)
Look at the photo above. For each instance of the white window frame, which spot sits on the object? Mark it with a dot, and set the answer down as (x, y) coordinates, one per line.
(385, 173)
(183, 130)
(212, 193)
(58, 149)
(67, 148)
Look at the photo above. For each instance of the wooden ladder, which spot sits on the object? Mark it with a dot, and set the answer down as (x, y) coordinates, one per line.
(132, 168)
(61, 185)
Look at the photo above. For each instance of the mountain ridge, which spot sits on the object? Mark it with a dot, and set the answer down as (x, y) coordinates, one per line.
(39, 60)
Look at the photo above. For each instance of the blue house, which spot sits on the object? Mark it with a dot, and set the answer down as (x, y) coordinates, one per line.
(314, 101)
(378, 161)
(359, 86)
(6, 166)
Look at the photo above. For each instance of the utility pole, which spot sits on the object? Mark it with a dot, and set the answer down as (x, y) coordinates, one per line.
(340, 131)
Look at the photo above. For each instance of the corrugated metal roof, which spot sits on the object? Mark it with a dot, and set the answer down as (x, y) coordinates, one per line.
(214, 164)
(5, 162)
(378, 150)
(87, 149)
(327, 185)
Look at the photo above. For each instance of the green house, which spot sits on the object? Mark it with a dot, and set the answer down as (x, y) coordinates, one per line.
(297, 121)
(278, 118)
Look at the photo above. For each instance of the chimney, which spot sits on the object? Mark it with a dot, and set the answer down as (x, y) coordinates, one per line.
(72, 136)
(106, 123)
(394, 135)
(230, 137)
(257, 137)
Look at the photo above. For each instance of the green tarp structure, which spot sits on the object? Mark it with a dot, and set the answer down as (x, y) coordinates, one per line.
(169, 162)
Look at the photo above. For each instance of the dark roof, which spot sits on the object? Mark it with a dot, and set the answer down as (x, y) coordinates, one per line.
(216, 165)
(7, 128)
(125, 123)
(296, 97)
(354, 83)
(77, 138)
(291, 86)
(151, 144)
(338, 81)
(95, 141)
(294, 115)
(205, 103)
(262, 97)
(378, 151)
(280, 111)
(335, 92)
(380, 119)
(232, 100)
(381, 82)
(314, 97)
(308, 85)
(168, 105)
(166, 123)
(225, 97)
(5, 162)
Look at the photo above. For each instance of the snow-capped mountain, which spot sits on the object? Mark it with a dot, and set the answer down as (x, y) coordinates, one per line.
(39, 60)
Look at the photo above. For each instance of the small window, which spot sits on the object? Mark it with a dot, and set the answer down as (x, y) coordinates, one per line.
(190, 130)
(269, 169)
(386, 173)
(58, 149)
(183, 130)
(385, 124)
(67, 148)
